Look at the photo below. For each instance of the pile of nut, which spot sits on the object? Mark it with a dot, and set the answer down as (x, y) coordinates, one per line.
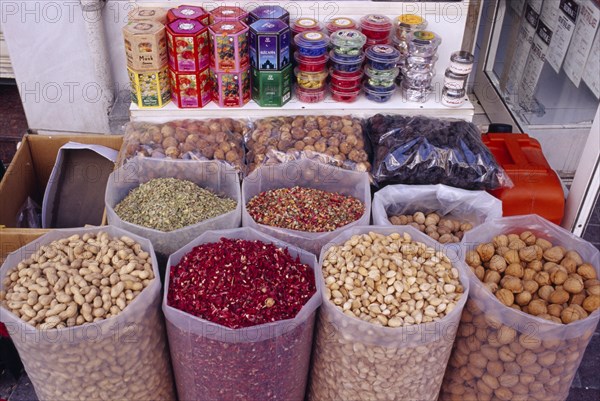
(211, 139)
(333, 140)
(531, 274)
(390, 281)
(442, 229)
(77, 280)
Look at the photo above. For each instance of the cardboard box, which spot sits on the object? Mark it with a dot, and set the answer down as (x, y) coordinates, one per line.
(31, 167)
(12, 239)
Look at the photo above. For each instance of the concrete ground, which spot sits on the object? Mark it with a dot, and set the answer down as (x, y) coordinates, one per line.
(586, 385)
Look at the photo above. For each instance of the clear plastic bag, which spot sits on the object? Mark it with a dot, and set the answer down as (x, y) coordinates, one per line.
(212, 175)
(210, 139)
(423, 150)
(310, 174)
(357, 360)
(474, 207)
(502, 353)
(334, 140)
(264, 362)
(123, 357)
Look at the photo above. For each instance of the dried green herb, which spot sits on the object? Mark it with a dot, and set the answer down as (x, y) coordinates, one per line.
(168, 204)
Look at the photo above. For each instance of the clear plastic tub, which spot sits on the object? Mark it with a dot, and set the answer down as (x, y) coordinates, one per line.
(349, 64)
(415, 94)
(345, 80)
(348, 42)
(417, 63)
(378, 94)
(382, 57)
(376, 26)
(341, 23)
(381, 78)
(405, 24)
(311, 44)
(311, 64)
(310, 95)
(423, 43)
(311, 80)
(416, 78)
(344, 95)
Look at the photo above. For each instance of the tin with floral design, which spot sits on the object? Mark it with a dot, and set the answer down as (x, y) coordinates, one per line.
(231, 89)
(150, 89)
(145, 45)
(229, 46)
(228, 13)
(189, 12)
(189, 47)
(191, 89)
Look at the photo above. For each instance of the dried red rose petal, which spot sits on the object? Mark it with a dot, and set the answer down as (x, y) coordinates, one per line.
(238, 283)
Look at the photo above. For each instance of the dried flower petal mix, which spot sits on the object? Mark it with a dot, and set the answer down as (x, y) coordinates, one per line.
(238, 283)
(304, 209)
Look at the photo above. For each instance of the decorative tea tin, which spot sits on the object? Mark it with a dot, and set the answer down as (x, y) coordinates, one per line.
(228, 13)
(461, 62)
(189, 48)
(150, 89)
(272, 88)
(269, 44)
(189, 12)
(231, 89)
(269, 12)
(156, 14)
(191, 89)
(229, 46)
(145, 45)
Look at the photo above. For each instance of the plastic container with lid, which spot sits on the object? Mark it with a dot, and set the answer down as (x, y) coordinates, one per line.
(305, 24)
(309, 95)
(453, 80)
(346, 64)
(311, 80)
(228, 13)
(311, 44)
(189, 12)
(382, 57)
(381, 78)
(345, 80)
(376, 26)
(461, 62)
(378, 94)
(341, 23)
(537, 188)
(453, 97)
(414, 94)
(406, 23)
(375, 42)
(420, 63)
(345, 95)
(348, 42)
(311, 64)
(417, 79)
(423, 43)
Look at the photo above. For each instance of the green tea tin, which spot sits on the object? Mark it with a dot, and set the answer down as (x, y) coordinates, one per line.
(272, 88)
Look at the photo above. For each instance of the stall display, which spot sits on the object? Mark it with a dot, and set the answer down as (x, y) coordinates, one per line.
(525, 272)
(442, 212)
(150, 89)
(145, 45)
(228, 13)
(313, 177)
(191, 89)
(240, 341)
(424, 150)
(269, 12)
(375, 318)
(186, 12)
(189, 46)
(231, 89)
(335, 24)
(334, 140)
(229, 46)
(272, 88)
(156, 14)
(71, 299)
(210, 139)
(171, 202)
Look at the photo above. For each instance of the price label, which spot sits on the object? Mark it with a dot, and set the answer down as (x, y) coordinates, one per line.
(591, 72)
(568, 11)
(581, 45)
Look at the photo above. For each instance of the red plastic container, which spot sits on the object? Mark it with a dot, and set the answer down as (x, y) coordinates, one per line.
(346, 80)
(309, 95)
(311, 64)
(345, 95)
(305, 24)
(376, 26)
(537, 188)
(341, 23)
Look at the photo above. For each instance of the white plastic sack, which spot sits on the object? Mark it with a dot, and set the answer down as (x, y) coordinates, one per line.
(534, 359)
(357, 360)
(474, 207)
(212, 175)
(309, 174)
(123, 357)
(265, 362)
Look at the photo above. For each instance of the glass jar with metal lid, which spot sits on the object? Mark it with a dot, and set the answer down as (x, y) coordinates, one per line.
(461, 62)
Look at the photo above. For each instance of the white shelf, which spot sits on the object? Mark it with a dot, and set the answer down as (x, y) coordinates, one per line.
(362, 107)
